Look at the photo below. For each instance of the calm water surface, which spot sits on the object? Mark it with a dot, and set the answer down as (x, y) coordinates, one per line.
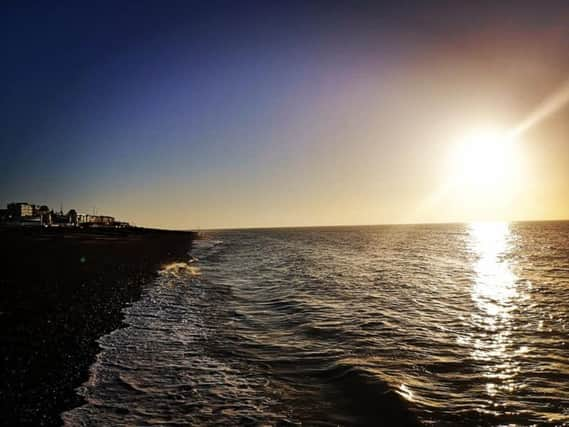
(390, 325)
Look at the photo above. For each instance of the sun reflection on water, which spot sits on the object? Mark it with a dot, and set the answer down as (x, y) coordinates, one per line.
(496, 296)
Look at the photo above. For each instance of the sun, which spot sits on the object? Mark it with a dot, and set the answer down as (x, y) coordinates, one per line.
(484, 158)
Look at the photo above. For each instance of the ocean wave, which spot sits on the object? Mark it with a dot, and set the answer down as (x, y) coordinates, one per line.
(351, 326)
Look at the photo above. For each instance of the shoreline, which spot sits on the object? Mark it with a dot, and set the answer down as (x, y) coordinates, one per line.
(60, 290)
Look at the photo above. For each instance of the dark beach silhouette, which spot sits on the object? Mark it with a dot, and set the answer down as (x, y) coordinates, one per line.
(60, 290)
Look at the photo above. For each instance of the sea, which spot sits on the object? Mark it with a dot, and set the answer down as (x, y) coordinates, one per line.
(454, 324)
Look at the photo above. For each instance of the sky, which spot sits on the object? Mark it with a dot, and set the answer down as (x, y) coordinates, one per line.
(214, 114)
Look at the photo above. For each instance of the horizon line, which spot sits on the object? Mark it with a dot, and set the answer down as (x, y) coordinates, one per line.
(372, 225)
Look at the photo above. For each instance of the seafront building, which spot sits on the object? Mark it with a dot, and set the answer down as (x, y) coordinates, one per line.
(95, 219)
(21, 209)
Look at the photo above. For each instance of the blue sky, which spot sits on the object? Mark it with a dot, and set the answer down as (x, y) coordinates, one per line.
(228, 114)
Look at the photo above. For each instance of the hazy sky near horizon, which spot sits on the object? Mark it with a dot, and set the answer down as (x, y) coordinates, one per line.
(237, 114)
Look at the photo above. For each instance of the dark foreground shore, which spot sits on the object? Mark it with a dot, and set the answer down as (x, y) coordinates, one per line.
(59, 291)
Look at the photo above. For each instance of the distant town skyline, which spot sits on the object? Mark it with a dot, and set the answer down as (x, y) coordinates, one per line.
(260, 114)
(26, 214)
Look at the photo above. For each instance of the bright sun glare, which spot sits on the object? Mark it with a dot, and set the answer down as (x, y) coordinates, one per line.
(484, 158)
